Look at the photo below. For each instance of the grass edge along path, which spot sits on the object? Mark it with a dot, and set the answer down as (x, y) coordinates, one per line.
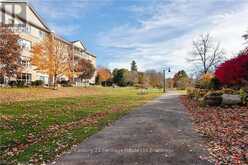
(45, 145)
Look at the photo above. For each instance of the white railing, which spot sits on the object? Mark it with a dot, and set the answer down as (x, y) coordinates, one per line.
(82, 84)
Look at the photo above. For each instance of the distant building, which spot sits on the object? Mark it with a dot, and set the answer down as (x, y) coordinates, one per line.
(32, 30)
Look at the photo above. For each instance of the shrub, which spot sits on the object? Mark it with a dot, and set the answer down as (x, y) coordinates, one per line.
(214, 93)
(202, 84)
(204, 81)
(65, 83)
(20, 83)
(233, 71)
(214, 84)
(1, 79)
(244, 96)
(12, 83)
(107, 83)
(190, 92)
(208, 81)
(37, 83)
(229, 91)
(196, 93)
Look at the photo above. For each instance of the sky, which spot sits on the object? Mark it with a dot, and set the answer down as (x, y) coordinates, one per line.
(155, 33)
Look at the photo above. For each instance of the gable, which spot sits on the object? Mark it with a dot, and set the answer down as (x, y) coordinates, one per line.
(30, 16)
(35, 19)
(79, 44)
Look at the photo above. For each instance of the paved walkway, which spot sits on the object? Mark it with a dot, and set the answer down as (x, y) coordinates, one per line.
(159, 133)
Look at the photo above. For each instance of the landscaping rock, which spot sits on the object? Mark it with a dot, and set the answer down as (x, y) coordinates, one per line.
(213, 100)
(229, 99)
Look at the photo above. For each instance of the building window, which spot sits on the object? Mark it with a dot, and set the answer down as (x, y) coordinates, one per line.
(25, 63)
(41, 34)
(28, 28)
(25, 44)
(11, 21)
(27, 77)
(42, 78)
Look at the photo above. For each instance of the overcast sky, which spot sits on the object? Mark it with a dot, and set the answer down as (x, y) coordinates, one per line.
(154, 33)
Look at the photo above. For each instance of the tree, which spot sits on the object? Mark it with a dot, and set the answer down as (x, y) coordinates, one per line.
(85, 69)
(132, 77)
(121, 77)
(51, 57)
(203, 82)
(234, 71)
(206, 54)
(70, 65)
(10, 53)
(114, 73)
(245, 36)
(181, 80)
(103, 74)
(134, 67)
(155, 78)
(143, 80)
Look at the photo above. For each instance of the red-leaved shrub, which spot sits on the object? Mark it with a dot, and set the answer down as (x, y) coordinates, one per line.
(233, 71)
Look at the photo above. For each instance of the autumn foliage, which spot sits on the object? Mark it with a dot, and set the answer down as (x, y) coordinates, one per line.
(233, 71)
(103, 74)
(85, 69)
(10, 52)
(50, 57)
(224, 130)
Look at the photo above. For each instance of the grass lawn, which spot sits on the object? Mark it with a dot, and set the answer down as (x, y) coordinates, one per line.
(37, 130)
(9, 95)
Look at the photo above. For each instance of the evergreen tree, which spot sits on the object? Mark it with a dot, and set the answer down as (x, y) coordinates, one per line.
(134, 66)
(121, 77)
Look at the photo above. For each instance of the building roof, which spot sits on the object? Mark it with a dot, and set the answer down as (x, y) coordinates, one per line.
(38, 16)
(90, 54)
(79, 44)
(47, 29)
(62, 39)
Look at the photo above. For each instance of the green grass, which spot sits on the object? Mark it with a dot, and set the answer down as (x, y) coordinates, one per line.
(36, 131)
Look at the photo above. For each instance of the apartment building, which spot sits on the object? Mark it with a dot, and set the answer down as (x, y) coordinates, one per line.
(32, 29)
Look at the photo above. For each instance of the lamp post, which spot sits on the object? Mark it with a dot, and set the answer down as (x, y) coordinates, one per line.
(164, 71)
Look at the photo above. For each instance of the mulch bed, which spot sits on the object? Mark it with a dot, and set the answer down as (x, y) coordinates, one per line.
(225, 130)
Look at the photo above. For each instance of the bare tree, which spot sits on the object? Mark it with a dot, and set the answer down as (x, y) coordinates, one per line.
(206, 53)
(245, 36)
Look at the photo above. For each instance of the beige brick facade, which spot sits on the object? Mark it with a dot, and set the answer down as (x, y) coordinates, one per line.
(34, 31)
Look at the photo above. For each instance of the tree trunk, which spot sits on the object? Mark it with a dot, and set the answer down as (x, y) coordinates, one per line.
(55, 81)
(50, 80)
